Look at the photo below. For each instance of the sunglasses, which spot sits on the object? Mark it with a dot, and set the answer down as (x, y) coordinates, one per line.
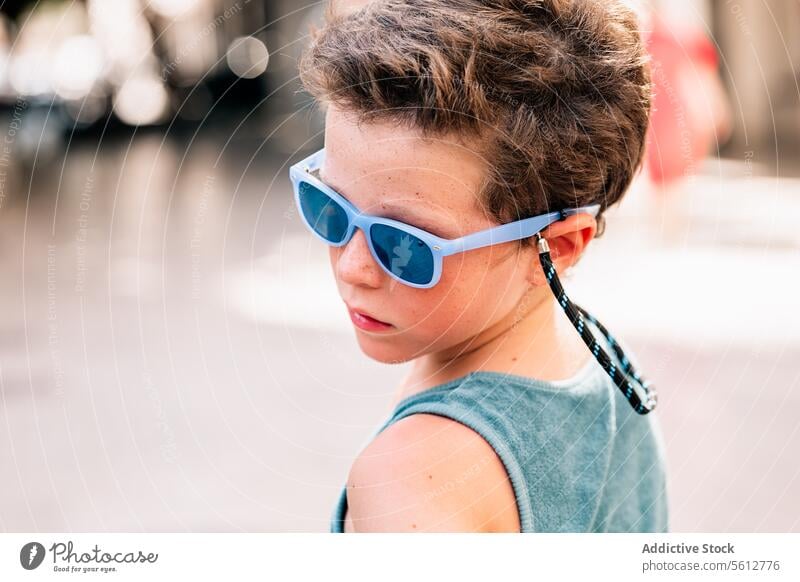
(406, 253)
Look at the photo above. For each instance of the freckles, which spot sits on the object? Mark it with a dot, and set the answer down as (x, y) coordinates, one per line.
(465, 279)
(454, 314)
(456, 269)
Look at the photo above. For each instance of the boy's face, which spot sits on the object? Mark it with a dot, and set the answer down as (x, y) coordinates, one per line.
(388, 171)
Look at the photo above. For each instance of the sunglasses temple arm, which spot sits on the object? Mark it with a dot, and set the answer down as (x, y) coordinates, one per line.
(594, 210)
(512, 231)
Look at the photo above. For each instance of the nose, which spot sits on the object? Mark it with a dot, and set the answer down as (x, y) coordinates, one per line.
(354, 263)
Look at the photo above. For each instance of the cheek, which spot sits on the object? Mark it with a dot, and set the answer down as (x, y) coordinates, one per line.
(443, 300)
(488, 275)
(476, 290)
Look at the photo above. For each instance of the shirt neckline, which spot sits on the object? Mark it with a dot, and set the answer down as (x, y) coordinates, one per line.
(569, 384)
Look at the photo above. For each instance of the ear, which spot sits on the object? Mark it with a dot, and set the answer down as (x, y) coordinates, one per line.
(568, 239)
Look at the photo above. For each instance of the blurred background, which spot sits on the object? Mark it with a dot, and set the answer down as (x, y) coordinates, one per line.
(173, 352)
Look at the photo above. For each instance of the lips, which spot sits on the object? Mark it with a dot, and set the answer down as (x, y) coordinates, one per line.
(368, 315)
(364, 321)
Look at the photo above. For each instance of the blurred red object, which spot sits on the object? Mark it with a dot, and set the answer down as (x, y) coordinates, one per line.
(690, 108)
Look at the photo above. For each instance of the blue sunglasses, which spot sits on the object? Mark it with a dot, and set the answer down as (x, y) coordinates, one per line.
(407, 253)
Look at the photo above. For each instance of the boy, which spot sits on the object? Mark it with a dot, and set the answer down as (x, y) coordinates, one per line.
(455, 117)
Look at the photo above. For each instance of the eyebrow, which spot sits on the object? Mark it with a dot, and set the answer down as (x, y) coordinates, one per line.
(401, 210)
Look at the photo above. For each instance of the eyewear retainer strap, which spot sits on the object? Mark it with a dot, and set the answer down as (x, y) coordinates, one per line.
(624, 378)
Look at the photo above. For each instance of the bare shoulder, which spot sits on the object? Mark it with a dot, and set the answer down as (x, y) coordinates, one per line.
(429, 473)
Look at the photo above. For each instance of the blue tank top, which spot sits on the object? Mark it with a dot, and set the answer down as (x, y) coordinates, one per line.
(579, 458)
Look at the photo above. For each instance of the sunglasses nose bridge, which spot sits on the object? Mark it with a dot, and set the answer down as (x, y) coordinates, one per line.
(364, 224)
(356, 263)
(358, 222)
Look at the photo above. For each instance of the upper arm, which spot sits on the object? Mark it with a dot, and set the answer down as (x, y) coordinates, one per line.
(430, 473)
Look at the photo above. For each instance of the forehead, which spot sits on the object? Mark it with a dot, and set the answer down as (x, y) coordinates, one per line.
(384, 166)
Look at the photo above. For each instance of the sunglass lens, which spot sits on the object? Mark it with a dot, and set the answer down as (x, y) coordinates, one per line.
(403, 254)
(324, 215)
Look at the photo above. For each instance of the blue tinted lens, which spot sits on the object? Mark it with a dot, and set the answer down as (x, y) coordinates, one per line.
(403, 254)
(323, 213)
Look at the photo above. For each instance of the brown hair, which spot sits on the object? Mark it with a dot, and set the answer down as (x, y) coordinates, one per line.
(558, 90)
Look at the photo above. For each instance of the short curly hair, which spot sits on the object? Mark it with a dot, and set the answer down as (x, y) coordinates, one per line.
(558, 91)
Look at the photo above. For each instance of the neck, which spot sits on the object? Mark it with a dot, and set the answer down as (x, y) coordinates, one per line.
(534, 339)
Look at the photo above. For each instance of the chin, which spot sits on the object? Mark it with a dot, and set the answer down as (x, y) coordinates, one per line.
(383, 349)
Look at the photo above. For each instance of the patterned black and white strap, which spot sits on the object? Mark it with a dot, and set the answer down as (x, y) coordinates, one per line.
(624, 378)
